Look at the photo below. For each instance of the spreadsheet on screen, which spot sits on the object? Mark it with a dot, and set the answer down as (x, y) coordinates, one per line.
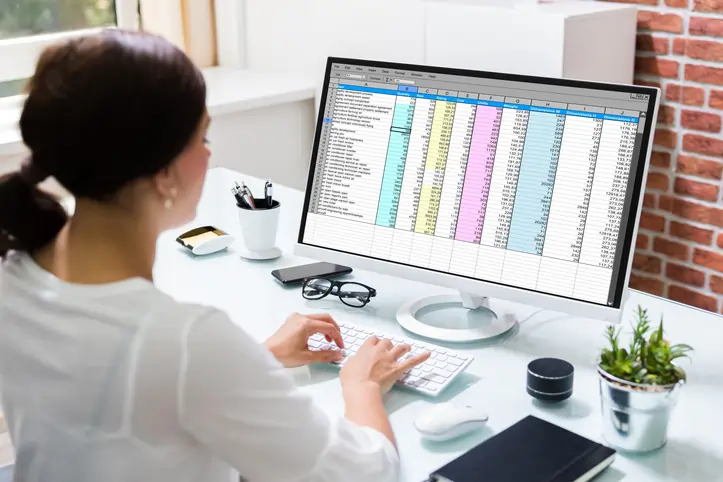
(511, 182)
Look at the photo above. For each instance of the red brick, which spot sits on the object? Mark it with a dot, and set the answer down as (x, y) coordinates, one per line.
(693, 96)
(660, 22)
(700, 190)
(695, 212)
(656, 66)
(642, 242)
(708, 6)
(716, 99)
(691, 233)
(701, 121)
(704, 50)
(640, 2)
(660, 159)
(710, 27)
(704, 74)
(649, 200)
(696, 166)
(673, 92)
(685, 275)
(648, 285)
(652, 222)
(720, 240)
(648, 83)
(677, 3)
(657, 181)
(679, 46)
(647, 263)
(693, 298)
(708, 259)
(665, 138)
(648, 43)
(666, 115)
(703, 145)
(672, 249)
(716, 284)
(666, 203)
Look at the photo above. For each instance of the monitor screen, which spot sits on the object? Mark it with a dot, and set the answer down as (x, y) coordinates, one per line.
(526, 182)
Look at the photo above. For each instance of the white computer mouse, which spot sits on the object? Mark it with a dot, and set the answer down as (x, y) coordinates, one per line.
(445, 421)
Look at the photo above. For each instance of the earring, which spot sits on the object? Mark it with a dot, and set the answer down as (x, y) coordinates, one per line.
(168, 203)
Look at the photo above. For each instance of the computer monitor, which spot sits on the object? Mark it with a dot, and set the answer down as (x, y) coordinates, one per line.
(498, 185)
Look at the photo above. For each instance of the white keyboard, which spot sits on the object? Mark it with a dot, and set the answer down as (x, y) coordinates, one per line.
(429, 378)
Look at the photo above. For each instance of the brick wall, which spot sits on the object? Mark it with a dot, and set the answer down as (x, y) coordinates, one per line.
(680, 246)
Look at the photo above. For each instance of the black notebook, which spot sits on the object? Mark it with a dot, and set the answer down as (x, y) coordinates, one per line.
(531, 450)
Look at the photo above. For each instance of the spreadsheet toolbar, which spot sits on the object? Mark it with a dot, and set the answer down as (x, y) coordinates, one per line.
(520, 191)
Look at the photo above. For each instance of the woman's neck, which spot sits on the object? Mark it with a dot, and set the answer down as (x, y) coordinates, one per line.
(101, 244)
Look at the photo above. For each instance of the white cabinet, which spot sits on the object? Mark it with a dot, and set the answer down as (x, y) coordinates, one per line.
(577, 40)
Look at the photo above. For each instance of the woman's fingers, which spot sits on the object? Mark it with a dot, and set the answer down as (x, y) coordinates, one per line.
(327, 329)
(399, 350)
(323, 317)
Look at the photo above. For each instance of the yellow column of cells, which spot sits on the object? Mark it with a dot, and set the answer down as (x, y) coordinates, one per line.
(434, 167)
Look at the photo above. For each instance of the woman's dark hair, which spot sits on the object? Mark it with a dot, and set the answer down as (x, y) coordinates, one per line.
(101, 111)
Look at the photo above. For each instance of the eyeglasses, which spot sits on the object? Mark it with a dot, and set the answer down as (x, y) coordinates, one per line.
(351, 294)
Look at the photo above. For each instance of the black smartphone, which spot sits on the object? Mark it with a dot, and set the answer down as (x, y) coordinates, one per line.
(297, 274)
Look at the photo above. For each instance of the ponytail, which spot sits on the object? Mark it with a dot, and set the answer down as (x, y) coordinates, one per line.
(29, 218)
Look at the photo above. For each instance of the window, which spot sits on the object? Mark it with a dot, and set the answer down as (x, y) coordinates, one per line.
(28, 26)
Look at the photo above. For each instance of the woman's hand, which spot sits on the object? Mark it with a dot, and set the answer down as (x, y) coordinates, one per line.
(290, 343)
(377, 363)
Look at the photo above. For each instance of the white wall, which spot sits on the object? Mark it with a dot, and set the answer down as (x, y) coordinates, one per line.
(272, 142)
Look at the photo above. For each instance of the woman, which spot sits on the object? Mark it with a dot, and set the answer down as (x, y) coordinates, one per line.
(104, 377)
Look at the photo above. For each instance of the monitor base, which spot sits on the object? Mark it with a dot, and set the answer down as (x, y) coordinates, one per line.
(476, 322)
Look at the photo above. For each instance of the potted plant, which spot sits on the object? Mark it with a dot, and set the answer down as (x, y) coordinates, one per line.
(639, 385)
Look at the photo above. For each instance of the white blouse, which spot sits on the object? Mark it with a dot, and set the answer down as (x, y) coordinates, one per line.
(119, 382)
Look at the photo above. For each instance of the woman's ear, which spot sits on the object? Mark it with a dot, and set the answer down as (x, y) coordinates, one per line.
(167, 185)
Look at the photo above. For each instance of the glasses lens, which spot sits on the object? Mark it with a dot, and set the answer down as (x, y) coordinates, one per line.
(316, 288)
(354, 295)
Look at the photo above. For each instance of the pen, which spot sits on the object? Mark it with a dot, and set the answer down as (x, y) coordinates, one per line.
(247, 196)
(236, 191)
(268, 193)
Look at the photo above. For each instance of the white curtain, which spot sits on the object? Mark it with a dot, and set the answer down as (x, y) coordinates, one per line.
(190, 24)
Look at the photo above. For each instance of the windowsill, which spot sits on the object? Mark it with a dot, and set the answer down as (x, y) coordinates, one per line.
(229, 91)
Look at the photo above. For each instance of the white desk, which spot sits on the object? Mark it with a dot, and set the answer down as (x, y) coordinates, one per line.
(495, 380)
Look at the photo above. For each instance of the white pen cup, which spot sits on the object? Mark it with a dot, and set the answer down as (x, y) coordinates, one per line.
(259, 226)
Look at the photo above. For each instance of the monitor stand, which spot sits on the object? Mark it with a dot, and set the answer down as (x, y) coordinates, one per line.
(475, 322)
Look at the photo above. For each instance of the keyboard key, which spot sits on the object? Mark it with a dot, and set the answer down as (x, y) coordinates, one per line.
(433, 386)
(444, 373)
(441, 358)
(433, 377)
(455, 361)
(440, 364)
(440, 350)
(426, 368)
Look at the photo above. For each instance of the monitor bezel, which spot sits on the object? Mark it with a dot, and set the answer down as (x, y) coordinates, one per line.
(471, 285)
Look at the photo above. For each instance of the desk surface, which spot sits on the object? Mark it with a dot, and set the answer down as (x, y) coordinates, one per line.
(496, 378)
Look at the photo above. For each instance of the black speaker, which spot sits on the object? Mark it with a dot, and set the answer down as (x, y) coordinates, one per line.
(550, 379)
